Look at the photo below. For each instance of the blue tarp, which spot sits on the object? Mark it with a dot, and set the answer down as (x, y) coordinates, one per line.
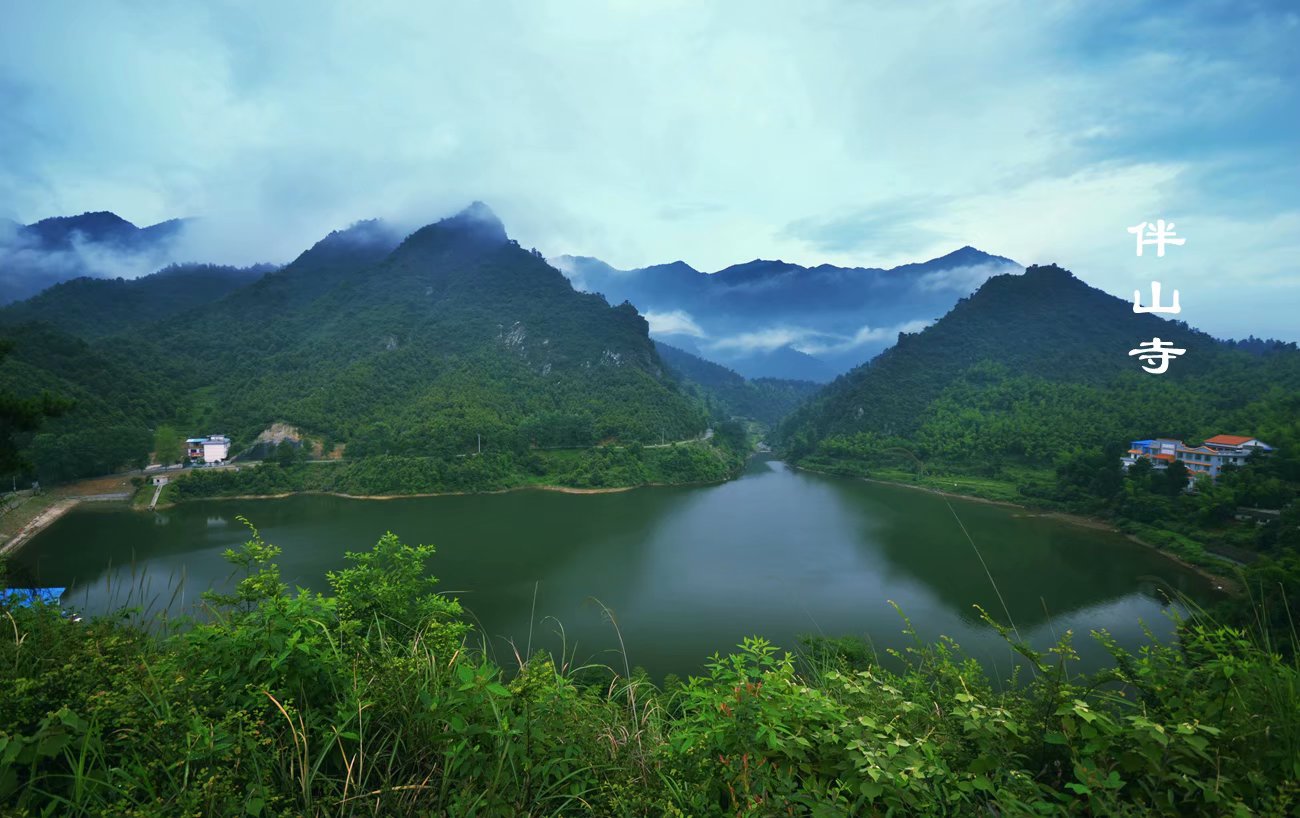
(25, 596)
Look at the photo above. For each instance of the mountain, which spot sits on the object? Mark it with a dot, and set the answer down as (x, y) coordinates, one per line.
(1031, 368)
(775, 318)
(101, 245)
(729, 394)
(424, 346)
(94, 307)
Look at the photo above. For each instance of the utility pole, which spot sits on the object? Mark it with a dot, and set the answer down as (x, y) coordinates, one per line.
(480, 443)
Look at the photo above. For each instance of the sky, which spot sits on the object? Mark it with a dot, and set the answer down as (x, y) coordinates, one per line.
(642, 132)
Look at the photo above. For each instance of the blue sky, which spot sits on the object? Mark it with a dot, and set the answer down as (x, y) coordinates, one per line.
(643, 132)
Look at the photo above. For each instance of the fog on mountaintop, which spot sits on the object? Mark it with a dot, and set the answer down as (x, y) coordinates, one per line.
(762, 318)
(776, 319)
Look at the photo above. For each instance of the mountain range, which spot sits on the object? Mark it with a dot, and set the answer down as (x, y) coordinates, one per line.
(429, 344)
(777, 319)
(100, 245)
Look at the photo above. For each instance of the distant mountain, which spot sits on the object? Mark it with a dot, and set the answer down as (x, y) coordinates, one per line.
(774, 318)
(1035, 366)
(728, 394)
(419, 346)
(100, 245)
(91, 308)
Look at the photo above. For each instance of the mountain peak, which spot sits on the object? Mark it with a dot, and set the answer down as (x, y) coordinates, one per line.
(479, 221)
(966, 255)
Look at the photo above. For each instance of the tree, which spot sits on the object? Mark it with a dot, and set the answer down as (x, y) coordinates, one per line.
(731, 435)
(1175, 478)
(19, 415)
(167, 445)
(286, 454)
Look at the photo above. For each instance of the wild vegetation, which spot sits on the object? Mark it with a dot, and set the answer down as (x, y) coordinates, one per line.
(376, 700)
(381, 474)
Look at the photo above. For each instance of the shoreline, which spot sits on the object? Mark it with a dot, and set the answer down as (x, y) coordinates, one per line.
(1225, 585)
(38, 524)
(46, 517)
(345, 496)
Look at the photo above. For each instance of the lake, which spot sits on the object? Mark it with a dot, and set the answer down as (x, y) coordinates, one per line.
(685, 571)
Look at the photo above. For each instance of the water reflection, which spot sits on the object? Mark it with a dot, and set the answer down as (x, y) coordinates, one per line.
(684, 571)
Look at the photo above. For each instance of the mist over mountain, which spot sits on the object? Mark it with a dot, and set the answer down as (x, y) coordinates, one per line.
(424, 345)
(99, 245)
(767, 318)
(1072, 342)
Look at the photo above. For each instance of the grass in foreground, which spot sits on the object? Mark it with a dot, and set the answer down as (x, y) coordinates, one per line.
(374, 701)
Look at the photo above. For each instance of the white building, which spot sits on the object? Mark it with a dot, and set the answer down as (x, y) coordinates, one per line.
(211, 449)
(1209, 458)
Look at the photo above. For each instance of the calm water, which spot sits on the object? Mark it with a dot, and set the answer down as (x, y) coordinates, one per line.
(686, 571)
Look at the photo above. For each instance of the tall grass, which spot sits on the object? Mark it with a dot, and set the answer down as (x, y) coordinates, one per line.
(275, 703)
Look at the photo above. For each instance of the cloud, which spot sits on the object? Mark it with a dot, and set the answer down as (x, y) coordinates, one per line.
(828, 131)
(811, 341)
(675, 322)
(959, 279)
(764, 340)
(906, 224)
(30, 263)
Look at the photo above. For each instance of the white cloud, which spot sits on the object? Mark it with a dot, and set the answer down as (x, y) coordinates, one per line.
(811, 341)
(764, 340)
(676, 322)
(959, 279)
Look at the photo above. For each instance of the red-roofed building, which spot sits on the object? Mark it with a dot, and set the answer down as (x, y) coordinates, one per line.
(1209, 458)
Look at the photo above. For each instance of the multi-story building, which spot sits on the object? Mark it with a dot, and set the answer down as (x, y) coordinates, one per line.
(210, 449)
(1208, 458)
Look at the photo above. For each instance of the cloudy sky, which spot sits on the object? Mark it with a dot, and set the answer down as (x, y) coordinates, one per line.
(642, 132)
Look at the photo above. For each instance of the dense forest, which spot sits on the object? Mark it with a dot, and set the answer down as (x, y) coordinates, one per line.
(1025, 392)
(376, 699)
(91, 308)
(728, 394)
(448, 342)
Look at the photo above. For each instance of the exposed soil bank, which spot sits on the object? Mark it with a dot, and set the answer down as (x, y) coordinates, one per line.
(38, 523)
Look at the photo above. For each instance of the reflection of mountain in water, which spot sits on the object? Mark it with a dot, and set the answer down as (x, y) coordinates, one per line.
(684, 571)
(1042, 567)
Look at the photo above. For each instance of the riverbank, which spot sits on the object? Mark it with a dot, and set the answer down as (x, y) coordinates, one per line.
(283, 494)
(36, 512)
(512, 489)
(1227, 585)
(36, 523)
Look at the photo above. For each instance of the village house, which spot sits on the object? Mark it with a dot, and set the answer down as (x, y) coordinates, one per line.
(1208, 458)
(210, 449)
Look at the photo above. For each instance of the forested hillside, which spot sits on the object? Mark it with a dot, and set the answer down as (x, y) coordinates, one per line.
(729, 394)
(435, 345)
(1026, 392)
(92, 308)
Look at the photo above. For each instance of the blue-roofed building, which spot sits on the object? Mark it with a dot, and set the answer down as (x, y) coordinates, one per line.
(1209, 458)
